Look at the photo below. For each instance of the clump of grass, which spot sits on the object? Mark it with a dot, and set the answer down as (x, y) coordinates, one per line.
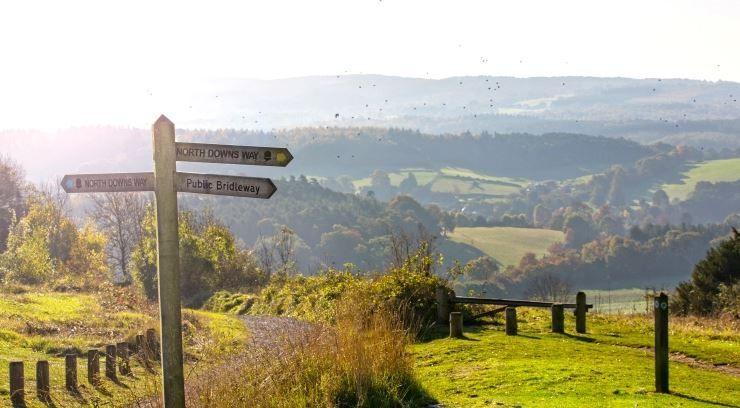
(361, 360)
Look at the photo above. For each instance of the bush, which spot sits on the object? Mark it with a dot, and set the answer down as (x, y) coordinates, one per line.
(715, 282)
(361, 361)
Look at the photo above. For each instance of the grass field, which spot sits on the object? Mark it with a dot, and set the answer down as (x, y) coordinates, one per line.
(46, 325)
(456, 181)
(713, 171)
(507, 245)
(611, 366)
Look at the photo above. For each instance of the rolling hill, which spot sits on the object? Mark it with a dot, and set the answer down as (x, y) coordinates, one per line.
(505, 244)
(712, 171)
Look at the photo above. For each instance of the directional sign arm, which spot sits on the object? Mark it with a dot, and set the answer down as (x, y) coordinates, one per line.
(226, 154)
(235, 186)
(108, 183)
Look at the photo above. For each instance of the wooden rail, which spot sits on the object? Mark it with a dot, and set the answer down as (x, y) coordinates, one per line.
(446, 301)
(511, 302)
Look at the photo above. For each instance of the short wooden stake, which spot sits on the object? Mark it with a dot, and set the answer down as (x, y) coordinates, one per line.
(456, 325)
(558, 318)
(581, 312)
(511, 326)
(443, 305)
(42, 380)
(661, 343)
(93, 367)
(151, 344)
(110, 362)
(70, 370)
(17, 384)
(124, 365)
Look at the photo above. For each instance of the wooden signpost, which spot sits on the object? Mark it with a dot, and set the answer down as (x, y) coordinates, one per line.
(166, 182)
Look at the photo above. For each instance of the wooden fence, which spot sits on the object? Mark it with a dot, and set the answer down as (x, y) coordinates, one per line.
(117, 357)
(446, 300)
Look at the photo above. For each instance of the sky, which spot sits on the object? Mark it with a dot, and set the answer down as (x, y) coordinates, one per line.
(93, 58)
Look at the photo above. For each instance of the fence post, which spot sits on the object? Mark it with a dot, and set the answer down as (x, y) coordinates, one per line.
(456, 325)
(123, 353)
(443, 305)
(17, 386)
(511, 326)
(110, 362)
(661, 343)
(42, 380)
(93, 367)
(70, 369)
(151, 343)
(581, 312)
(558, 318)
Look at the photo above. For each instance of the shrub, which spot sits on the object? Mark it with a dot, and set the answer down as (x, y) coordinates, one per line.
(715, 282)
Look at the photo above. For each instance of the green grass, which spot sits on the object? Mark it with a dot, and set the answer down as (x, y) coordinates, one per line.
(456, 181)
(44, 325)
(610, 366)
(507, 245)
(624, 301)
(713, 171)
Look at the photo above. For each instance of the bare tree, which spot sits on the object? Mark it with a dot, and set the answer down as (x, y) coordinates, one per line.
(285, 245)
(266, 255)
(548, 287)
(120, 216)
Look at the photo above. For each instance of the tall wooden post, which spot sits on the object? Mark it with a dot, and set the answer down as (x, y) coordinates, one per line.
(661, 343)
(168, 263)
(581, 312)
(42, 380)
(558, 318)
(443, 305)
(17, 384)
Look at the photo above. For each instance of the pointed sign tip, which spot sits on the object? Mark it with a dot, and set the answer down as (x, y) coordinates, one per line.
(163, 119)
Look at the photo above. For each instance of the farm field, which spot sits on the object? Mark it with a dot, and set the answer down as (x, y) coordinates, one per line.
(506, 244)
(611, 366)
(46, 325)
(456, 181)
(712, 171)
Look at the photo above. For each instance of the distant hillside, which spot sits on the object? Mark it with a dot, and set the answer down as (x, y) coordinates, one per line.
(356, 152)
(508, 245)
(701, 113)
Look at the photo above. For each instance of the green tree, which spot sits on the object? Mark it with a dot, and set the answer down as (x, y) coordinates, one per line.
(713, 279)
(12, 197)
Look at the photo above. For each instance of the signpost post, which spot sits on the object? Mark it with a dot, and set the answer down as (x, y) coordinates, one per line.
(166, 182)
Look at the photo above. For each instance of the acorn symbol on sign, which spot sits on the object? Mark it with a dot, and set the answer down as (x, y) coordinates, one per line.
(268, 155)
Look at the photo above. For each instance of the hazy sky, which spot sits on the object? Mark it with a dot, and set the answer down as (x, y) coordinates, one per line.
(97, 50)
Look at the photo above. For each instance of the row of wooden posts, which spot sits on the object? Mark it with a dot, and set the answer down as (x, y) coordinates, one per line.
(446, 300)
(146, 349)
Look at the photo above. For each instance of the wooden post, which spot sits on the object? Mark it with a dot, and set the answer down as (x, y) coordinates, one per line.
(558, 318)
(456, 325)
(168, 263)
(661, 343)
(124, 366)
(93, 367)
(581, 312)
(151, 344)
(511, 326)
(42, 380)
(17, 384)
(70, 370)
(110, 362)
(443, 305)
